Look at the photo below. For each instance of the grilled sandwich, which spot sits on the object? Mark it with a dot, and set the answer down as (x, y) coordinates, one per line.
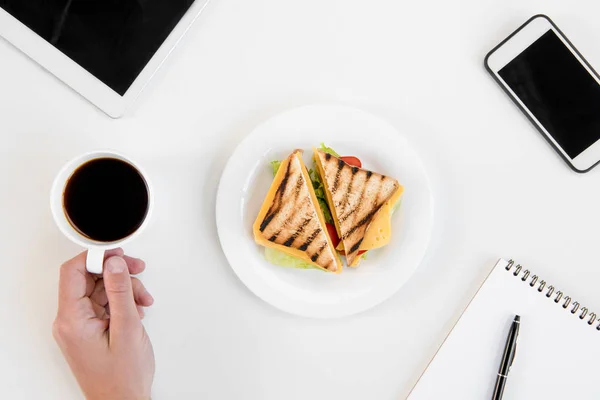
(290, 219)
(360, 202)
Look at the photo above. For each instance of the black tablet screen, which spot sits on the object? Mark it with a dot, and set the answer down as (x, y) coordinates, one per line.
(112, 39)
(558, 91)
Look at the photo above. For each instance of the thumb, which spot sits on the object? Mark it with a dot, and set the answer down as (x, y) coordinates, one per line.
(124, 316)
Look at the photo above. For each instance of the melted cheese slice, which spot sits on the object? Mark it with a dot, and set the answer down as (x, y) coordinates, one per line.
(379, 233)
(261, 240)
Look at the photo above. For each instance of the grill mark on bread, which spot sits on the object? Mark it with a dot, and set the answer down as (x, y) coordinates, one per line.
(362, 195)
(298, 187)
(336, 182)
(298, 206)
(290, 241)
(317, 254)
(275, 207)
(284, 182)
(266, 222)
(279, 196)
(286, 223)
(349, 214)
(346, 199)
(310, 239)
(356, 246)
(363, 221)
(376, 205)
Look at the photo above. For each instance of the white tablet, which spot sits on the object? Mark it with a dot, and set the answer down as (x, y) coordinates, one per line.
(106, 50)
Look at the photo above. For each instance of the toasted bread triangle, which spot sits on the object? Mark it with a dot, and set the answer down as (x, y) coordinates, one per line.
(290, 219)
(355, 196)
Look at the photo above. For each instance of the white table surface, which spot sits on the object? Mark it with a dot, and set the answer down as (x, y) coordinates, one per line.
(500, 191)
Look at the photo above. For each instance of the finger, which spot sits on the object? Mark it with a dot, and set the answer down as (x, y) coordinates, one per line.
(98, 296)
(99, 311)
(75, 283)
(124, 317)
(140, 294)
(106, 313)
(114, 252)
(136, 266)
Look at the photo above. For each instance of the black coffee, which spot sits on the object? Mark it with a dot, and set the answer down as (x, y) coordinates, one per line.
(106, 199)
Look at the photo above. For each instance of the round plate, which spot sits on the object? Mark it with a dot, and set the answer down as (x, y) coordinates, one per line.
(246, 181)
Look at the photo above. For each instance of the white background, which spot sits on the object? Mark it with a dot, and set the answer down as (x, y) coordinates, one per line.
(500, 190)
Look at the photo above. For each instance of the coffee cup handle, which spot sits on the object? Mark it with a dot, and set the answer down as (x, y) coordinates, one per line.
(95, 261)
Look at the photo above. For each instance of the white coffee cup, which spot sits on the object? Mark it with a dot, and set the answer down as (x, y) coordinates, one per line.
(96, 250)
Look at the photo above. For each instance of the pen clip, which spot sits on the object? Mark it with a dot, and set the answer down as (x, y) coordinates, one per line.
(512, 358)
(514, 353)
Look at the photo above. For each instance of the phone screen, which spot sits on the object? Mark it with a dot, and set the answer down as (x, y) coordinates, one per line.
(111, 39)
(558, 91)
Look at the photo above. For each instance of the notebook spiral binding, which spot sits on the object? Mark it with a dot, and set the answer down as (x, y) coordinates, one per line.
(558, 296)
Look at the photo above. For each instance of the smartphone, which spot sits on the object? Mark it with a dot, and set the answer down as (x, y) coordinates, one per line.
(554, 86)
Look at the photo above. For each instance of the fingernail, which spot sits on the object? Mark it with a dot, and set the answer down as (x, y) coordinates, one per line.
(116, 265)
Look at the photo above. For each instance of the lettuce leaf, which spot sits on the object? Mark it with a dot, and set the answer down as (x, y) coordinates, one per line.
(320, 193)
(329, 150)
(275, 165)
(281, 259)
(326, 212)
(396, 206)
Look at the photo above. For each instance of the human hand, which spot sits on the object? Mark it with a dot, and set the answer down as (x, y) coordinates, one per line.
(99, 330)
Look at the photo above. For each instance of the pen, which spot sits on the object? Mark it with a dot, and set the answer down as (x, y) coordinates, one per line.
(507, 358)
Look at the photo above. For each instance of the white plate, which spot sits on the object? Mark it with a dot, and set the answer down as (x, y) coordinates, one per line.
(248, 176)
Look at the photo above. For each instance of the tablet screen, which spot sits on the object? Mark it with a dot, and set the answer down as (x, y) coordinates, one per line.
(111, 39)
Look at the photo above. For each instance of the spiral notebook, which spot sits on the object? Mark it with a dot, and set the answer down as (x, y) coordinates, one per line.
(558, 350)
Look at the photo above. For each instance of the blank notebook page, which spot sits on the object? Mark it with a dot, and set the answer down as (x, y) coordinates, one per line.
(557, 357)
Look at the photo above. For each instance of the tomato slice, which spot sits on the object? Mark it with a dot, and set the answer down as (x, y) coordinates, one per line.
(360, 252)
(333, 234)
(353, 161)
